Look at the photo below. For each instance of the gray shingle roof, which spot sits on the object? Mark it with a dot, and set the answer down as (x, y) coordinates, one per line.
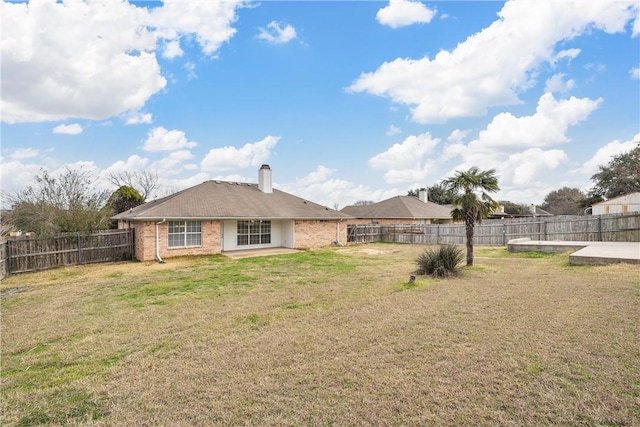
(229, 200)
(399, 207)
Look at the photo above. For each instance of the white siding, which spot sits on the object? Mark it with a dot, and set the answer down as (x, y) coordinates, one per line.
(623, 204)
(281, 235)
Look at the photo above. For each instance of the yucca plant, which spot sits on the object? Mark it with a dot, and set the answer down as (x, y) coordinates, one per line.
(442, 261)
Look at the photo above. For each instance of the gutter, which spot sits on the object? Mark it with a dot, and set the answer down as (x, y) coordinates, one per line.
(338, 233)
(158, 241)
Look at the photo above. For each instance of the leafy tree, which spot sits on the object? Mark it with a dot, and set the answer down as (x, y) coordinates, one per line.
(415, 193)
(123, 199)
(68, 203)
(472, 202)
(565, 201)
(621, 176)
(438, 193)
(145, 181)
(513, 208)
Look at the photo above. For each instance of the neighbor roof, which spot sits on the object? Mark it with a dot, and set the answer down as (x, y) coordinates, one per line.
(222, 200)
(620, 198)
(399, 207)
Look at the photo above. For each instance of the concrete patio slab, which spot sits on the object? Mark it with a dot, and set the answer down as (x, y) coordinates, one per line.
(586, 253)
(246, 253)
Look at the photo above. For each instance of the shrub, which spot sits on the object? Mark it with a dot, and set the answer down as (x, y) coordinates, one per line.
(441, 262)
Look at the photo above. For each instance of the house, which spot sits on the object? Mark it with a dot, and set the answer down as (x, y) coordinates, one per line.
(219, 216)
(523, 211)
(399, 210)
(622, 204)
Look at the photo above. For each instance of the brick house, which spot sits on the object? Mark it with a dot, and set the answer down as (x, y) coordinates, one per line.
(400, 210)
(220, 216)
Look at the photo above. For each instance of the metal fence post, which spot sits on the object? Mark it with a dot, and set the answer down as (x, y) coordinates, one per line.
(599, 228)
(504, 234)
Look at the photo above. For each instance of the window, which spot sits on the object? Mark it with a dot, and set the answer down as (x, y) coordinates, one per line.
(254, 233)
(185, 233)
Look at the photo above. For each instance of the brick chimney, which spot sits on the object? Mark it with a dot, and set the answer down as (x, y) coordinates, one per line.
(264, 179)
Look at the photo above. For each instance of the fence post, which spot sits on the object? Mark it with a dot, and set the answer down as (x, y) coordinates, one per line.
(599, 228)
(544, 225)
(79, 249)
(8, 261)
(438, 234)
(504, 234)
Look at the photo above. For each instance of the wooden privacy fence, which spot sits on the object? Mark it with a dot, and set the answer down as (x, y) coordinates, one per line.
(24, 254)
(606, 228)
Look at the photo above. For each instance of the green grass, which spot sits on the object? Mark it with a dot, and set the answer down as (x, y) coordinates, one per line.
(328, 337)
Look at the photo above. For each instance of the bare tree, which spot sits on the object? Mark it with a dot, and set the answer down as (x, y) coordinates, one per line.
(67, 203)
(144, 181)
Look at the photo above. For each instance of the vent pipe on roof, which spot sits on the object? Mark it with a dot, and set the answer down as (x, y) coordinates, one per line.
(423, 195)
(264, 179)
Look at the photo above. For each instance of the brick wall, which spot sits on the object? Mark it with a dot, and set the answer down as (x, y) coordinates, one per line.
(145, 240)
(317, 234)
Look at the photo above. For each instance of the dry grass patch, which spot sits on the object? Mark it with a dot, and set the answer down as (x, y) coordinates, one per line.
(330, 337)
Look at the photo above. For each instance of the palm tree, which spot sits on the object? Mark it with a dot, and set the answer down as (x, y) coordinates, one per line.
(472, 202)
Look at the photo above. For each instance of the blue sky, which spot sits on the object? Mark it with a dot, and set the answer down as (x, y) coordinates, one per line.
(346, 100)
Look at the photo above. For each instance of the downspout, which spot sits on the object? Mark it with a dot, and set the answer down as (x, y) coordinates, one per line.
(338, 233)
(158, 241)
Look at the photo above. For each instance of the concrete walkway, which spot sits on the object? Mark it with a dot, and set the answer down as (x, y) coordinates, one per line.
(586, 253)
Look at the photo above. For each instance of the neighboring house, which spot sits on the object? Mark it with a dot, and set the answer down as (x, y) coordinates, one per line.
(399, 210)
(621, 204)
(218, 216)
(526, 212)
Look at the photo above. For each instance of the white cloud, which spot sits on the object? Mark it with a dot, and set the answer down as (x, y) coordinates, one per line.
(457, 136)
(133, 163)
(15, 175)
(635, 73)
(521, 149)
(557, 83)
(172, 49)
(251, 154)
(393, 130)
(209, 21)
(319, 187)
(400, 13)
(72, 129)
(174, 163)
(276, 33)
(521, 169)
(544, 128)
(138, 117)
(24, 153)
(490, 67)
(405, 162)
(190, 67)
(161, 139)
(604, 155)
(97, 59)
(75, 59)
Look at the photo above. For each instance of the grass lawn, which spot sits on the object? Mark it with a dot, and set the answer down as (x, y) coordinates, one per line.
(325, 337)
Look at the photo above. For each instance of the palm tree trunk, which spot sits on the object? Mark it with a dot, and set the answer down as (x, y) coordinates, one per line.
(469, 225)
